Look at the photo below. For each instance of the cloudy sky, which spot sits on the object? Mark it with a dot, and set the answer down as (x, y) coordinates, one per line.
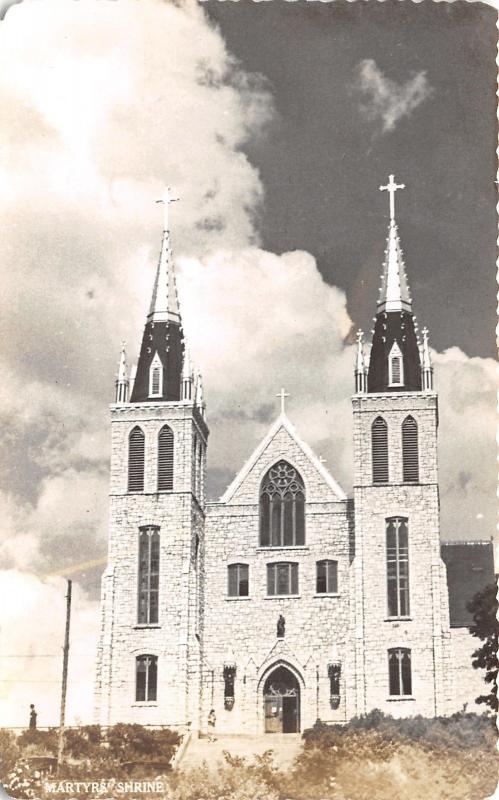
(276, 123)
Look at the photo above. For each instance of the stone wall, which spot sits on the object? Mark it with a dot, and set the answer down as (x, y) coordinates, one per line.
(243, 630)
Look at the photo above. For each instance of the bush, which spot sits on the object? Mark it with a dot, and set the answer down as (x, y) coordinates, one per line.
(134, 742)
(9, 752)
(38, 742)
(83, 742)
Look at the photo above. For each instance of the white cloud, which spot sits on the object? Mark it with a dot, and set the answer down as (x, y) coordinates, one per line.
(384, 99)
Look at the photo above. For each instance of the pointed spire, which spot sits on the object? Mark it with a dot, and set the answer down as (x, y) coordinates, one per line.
(426, 366)
(200, 394)
(394, 290)
(360, 366)
(164, 302)
(187, 374)
(122, 379)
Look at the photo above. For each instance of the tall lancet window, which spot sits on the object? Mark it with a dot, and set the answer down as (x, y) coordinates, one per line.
(397, 566)
(165, 459)
(395, 366)
(282, 507)
(148, 594)
(410, 455)
(146, 679)
(156, 377)
(379, 446)
(136, 448)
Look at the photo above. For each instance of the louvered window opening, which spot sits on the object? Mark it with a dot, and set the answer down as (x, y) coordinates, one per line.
(165, 459)
(396, 376)
(410, 455)
(282, 579)
(155, 381)
(148, 596)
(327, 577)
(238, 578)
(136, 448)
(282, 507)
(399, 671)
(379, 444)
(146, 679)
(397, 566)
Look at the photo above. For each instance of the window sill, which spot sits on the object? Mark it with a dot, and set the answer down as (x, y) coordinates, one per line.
(327, 594)
(282, 597)
(236, 597)
(145, 704)
(273, 548)
(397, 698)
(147, 627)
(398, 619)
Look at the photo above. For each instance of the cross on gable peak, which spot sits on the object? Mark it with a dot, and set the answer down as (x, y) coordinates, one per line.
(283, 395)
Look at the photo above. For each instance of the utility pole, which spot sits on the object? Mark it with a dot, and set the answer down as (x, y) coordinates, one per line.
(60, 747)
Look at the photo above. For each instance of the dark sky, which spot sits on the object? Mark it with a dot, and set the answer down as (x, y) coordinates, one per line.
(321, 162)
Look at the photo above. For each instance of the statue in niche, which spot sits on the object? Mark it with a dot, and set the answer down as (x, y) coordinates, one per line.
(281, 627)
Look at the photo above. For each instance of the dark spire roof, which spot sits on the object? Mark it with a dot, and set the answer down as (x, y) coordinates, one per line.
(394, 364)
(162, 340)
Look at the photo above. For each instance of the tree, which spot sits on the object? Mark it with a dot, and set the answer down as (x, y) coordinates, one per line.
(485, 627)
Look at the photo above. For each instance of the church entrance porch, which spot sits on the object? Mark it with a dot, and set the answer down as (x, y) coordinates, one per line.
(281, 699)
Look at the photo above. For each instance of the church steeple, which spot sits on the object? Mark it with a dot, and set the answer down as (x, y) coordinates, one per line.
(159, 366)
(395, 364)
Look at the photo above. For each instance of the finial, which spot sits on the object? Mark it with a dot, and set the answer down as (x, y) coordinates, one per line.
(166, 200)
(391, 187)
(282, 394)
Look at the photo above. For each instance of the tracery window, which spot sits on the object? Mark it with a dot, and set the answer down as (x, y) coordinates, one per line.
(326, 577)
(410, 454)
(282, 579)
(282, 507)
(399, 671)
(148, 584)
(397, 566)
(165, 459)
(379, 450)
(136, 449)
(238, 580)
(146, 679)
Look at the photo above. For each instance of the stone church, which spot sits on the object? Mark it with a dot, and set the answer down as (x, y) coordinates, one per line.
(285, 601)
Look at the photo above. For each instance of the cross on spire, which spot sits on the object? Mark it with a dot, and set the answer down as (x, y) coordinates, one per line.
(167, 198)
(391, 187)
(282, 394)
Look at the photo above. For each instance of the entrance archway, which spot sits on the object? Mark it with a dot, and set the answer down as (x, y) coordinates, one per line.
(281, 702)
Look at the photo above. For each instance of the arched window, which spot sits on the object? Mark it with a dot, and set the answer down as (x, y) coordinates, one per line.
(397, 566)
(148, 585)
(399, 671)
(156, 377)
(410, 455)
(238, 578)
(136, 448)
(395, 366)
(282, 579)
(379, 446)
(282, 507)
(146, 679)
(165, 459)
(326, 577)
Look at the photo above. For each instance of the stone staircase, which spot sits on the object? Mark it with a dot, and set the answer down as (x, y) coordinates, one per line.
(285, 747)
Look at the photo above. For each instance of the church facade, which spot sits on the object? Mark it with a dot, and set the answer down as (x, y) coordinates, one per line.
(285, 601)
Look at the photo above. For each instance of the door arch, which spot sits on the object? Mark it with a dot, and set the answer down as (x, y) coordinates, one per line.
(281, 701)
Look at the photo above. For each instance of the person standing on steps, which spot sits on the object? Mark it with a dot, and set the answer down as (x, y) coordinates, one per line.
(212, 720)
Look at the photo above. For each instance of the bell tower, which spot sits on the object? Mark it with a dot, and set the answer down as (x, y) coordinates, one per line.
(151, 628)
(401, 619)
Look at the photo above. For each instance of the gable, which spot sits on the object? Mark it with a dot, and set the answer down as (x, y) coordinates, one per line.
(282, 442)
